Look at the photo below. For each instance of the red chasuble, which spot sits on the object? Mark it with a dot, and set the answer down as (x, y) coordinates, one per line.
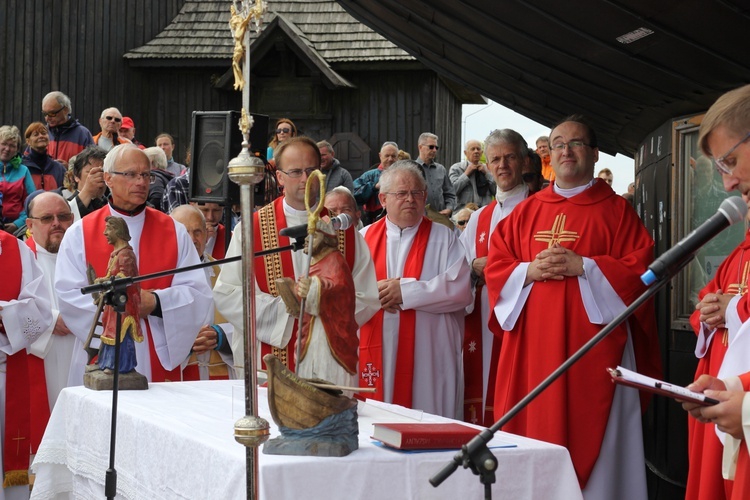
(267, 222)
(371, 333)
(157, 252)
(705, 480)
(16, 443)
(337, 306)
(473, 343)
(573, 412)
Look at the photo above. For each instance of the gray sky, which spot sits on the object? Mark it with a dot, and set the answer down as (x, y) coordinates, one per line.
(478, 120)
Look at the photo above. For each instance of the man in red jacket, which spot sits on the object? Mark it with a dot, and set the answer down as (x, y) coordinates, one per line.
(67, 136)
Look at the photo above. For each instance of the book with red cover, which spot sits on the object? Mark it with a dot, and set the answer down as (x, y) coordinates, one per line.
(424, 436)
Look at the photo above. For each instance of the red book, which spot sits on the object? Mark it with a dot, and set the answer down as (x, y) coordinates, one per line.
(424, 436)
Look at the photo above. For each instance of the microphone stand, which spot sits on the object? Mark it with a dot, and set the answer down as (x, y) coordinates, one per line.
(476, 456)
(298, 244)
(114, 294)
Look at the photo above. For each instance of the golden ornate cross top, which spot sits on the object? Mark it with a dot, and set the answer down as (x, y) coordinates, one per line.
(557, 234)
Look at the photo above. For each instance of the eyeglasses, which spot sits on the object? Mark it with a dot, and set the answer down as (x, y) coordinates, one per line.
(47, 219)
(110, 118)
(133, 176)
(283, 130)
(559, 146)
(52, 114)
(431, 146)
(725, 165)
(297, 172)
(403, 195)
(462, 222)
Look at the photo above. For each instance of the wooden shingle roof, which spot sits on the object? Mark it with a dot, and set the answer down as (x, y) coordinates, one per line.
(201, 31)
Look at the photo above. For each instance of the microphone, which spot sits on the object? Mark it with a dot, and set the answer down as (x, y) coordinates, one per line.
(730, 211)
(341, 221)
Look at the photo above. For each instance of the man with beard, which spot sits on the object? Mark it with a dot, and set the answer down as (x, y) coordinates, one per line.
(49, 218)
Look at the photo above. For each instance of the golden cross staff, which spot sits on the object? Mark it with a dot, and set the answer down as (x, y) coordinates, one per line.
(312, 223)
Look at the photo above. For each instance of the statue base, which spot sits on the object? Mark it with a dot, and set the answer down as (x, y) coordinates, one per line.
(97, 380)
(336, 436)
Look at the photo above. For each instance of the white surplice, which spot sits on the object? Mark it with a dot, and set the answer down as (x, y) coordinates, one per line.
(506, 202)
(439, 298)
(55, 350)
(24, 319)
(273, 324)
(185, 304)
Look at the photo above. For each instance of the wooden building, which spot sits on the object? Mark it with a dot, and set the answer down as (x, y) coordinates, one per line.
(313, 63)
(160, 60)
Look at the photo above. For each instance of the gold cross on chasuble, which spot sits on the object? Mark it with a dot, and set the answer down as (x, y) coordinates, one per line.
(741, 287)
(557, 234)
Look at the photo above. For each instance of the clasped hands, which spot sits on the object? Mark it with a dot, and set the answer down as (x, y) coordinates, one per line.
(554, 263)
(389, 293)
(713, 308)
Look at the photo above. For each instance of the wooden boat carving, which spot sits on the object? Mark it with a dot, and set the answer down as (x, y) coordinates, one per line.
(296, 404)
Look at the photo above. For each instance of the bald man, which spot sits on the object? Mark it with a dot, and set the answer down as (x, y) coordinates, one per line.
(211, 350)
(471, 178)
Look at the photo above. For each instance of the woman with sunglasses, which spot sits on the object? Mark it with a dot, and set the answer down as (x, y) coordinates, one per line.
(284, 129)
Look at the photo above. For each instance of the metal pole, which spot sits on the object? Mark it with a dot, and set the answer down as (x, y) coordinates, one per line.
(247, 170)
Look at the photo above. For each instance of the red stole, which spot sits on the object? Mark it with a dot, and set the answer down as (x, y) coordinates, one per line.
(16, 445)
(39, 400)
(371, 333)
(155, 253)
(220, 250)
(741, 487)
(473, 344)
(267, 222)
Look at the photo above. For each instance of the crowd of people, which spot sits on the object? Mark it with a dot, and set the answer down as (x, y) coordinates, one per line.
(456, 291)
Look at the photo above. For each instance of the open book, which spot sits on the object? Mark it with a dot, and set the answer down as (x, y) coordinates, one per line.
(630, 378)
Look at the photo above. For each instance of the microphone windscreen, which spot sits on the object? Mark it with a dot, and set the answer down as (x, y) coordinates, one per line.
(734, 209)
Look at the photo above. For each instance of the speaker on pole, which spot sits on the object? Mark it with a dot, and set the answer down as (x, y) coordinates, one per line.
(216, 139)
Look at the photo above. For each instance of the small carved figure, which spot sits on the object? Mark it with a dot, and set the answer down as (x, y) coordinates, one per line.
(328, 335)
(122, 263)
(238, 24)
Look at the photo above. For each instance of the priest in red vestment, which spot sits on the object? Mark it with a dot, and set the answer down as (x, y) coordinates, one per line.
(723, 137)
(506, 153)
(561, 267)
(172, 307)
(722, 309)
(276, 329)
(410, 351)
(25, 313)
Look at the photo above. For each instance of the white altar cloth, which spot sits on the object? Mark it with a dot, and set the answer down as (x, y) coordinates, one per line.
(175, 441)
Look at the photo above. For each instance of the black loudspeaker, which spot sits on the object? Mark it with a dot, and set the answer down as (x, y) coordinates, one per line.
(216, 139)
